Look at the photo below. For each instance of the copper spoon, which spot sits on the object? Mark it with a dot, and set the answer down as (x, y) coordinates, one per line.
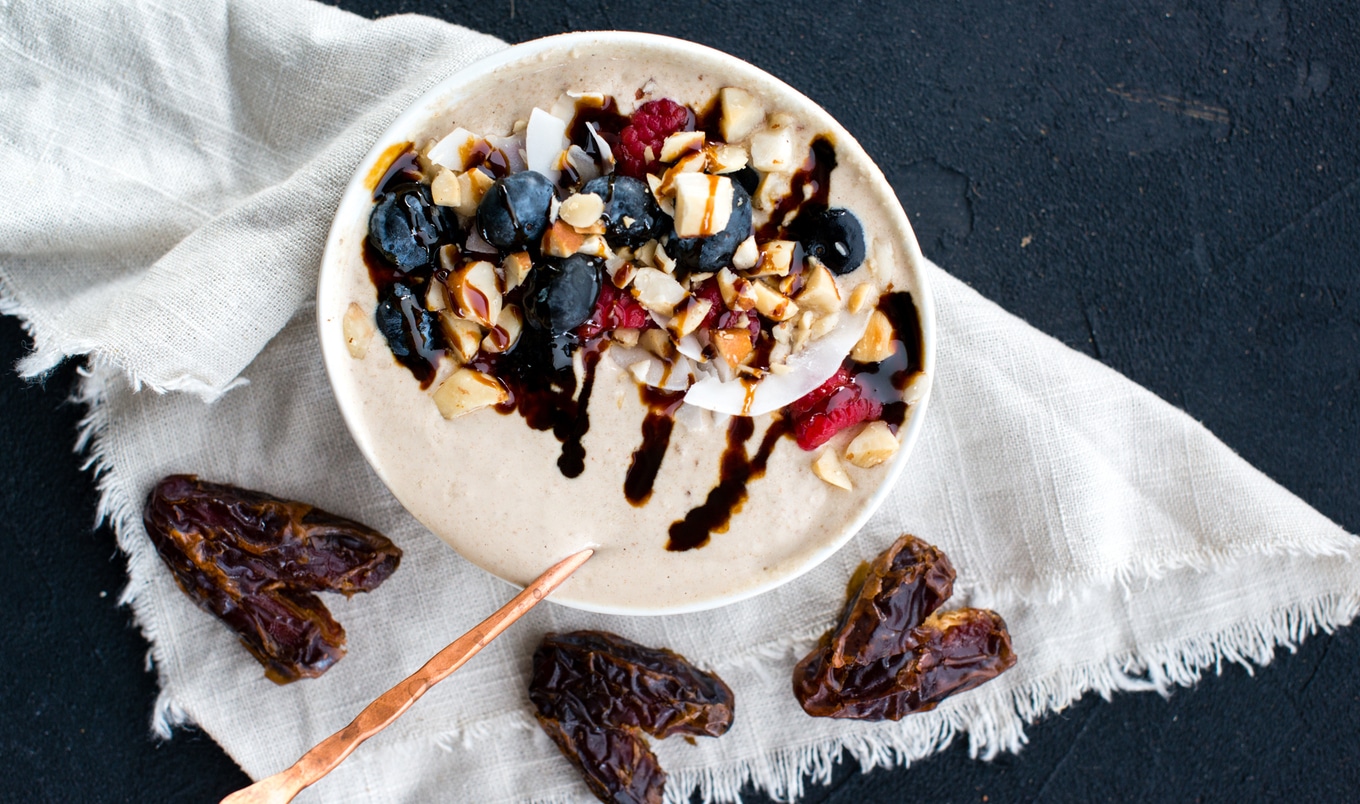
(386, 708)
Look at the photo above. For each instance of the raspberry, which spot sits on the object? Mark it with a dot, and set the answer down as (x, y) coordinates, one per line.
(648, 128)
(837, 404)
(708, 289)
(614, 309)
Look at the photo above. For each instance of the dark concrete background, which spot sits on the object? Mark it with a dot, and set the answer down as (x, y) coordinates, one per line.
(1171, 187)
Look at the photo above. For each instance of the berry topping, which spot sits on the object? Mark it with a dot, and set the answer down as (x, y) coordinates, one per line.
(631, 214)
(406, 225)
(412, 333)
(832, 236)
(837, 404)
(614, 309)
(705, 254)
(651, 124)
(561, 296)
(514, 213)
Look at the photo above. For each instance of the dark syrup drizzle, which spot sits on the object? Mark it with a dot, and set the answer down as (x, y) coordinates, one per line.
(656, 438)
(546, 396)
(726, 499)
(810, 190)
(886, 380)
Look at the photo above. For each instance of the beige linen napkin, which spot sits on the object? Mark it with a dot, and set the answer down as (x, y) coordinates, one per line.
(169, 180)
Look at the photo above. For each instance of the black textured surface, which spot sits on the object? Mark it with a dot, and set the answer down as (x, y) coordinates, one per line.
(1171, 187)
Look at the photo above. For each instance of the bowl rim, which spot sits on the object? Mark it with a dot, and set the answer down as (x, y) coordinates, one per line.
(418, 110)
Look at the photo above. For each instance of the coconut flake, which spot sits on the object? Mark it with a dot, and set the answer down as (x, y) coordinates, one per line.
(807, 370)
(606, 153)
(544, 141)
(449, 151)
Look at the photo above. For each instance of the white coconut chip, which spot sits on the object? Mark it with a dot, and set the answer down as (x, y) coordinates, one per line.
(448, 152)
(544, 141)
(807, 370)
(606, 153)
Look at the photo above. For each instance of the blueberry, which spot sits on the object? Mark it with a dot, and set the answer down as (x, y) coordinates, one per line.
(513, 214)
(748, 178)
(561, 296)
(405, 226)
(715, 251)
(411, 331)
(628, 199)
(833, 236)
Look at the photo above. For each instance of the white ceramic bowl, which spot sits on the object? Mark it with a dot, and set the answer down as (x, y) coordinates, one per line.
(487, 484)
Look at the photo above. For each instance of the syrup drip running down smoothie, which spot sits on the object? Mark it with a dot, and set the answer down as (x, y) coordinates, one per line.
(673, 319)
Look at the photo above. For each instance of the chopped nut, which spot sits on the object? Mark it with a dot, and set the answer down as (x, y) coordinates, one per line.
(436, 296)
(681, 143)
(741, 113)
(823, 325)
(515, 268)
(775, 258)
(874, 445)
(772, 304)
(723, 158)
(697, 278)
(877, 343)
(737, 292)
(626, 336)
(467, 390)
(445, 189)
(504, 336)
(646, 253)
(689, 316)
(657, 291)
(802, 331)
(859, 297)
(358, 330)
(562, 240)
(595, 246)
(819, 291)
(475, 292)
(480, 182)
(829, 468)
(463, 336)
(916, 388)
(622, 274)
(658, 343)
(772, 151)
(703, 204)
(746, 255)
(665, 197)
(663, 260)
(732, 345)
(449, 257)
(581, 210)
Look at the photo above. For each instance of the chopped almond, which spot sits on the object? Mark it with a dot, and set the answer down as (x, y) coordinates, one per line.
(874, 445)
(515, 268)
(464, 337)
(877, 343)
(829, 469)
(819, 291)
(476, 293)
(732, 345)
(467, 390)
(358, 330)
(562, 240)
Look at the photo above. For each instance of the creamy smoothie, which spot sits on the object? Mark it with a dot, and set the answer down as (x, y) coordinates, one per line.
(676, 444)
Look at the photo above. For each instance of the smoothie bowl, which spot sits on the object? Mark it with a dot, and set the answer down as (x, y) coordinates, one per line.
(621, 291)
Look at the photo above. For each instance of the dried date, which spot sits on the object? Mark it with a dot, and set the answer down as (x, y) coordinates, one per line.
(594, 694)
(255, 562)
(891, 653)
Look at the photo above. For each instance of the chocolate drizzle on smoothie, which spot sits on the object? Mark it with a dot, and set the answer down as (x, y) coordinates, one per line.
(886, 380)
(545, 396)
(726, 499)
(656, 438)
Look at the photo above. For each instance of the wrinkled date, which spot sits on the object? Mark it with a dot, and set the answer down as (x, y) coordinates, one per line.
(892, 654)
(594, 693)
(255, 560)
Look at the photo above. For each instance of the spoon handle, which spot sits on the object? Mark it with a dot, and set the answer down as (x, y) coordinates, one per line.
(386, 708)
